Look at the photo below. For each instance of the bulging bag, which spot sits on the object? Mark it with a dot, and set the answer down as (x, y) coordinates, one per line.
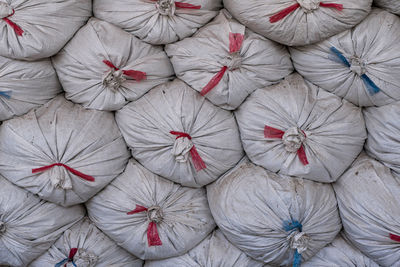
(299, 22)
(149, 216)
(298, 129)
(179, 135)
(368, 196)
(361, 65)
(225, 61)
(62, 152)
(158, 21)
(85, 245)
(25, 85)
(390, 5)
(34, 29)
(104, 67)
(28, 225)
(279, 220)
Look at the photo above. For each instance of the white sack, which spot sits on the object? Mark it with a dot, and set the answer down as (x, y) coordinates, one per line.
(88, 141)
(390, 5)
(214, 251)
(47, 26)
(340, 253)
(308, 23)
(157, 21)
(368, 196)
(252, 206)
(383, 143)
(252, 64)
(28, 225)
(181, 215)
(146, 125)
(89, 81)
(372, 49)
(93, 249)
(25, 85)
(331, 131)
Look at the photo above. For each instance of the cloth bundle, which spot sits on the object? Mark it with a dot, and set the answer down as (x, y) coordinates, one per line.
(353, 64)
(103, 67)
(62, 152)
(226, 62)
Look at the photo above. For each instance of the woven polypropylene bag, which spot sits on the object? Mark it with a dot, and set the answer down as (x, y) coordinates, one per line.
(275, 219)
(28, 225)
(299, 22)
(213, 251)
(226, 62)
(25, 85)
(178, 134)
(34, 29)
(149, 216)
(157, 21)
(93, 248)
(104, 67)
(296, 128)
(362, 64)
(86, 145)
(368, 196)
(390, 5)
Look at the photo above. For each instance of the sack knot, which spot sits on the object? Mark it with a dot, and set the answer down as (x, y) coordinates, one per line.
(293, 139)
(155, 214)
(309, 6)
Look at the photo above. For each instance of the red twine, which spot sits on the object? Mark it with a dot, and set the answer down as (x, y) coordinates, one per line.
(270, 132)
(153, 239)
(77, 173)
(15, 27)
(394, 237)
(134, 74)
(197, 160)
(283, 13)
(184, 5)
(72, 253)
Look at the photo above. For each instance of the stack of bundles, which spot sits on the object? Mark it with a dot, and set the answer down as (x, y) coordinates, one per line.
(299, 22)
(85, 245)
(34, 29)
(275, 219)
(368, 196)
(296, 128)
(213, 251)
(178, 134)
(149, 216)
(353, 64)
(25, 85)
(225, 62)
(390, 5)
(28, 225)
(62, 152)
(104, 67)
(157, 21)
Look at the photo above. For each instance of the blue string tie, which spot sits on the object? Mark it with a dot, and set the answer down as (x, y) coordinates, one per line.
(70, 258)
(290, 226)
(6, 94)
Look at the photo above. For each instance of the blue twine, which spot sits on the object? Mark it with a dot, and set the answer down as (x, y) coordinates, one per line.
(371, 86)
(63, 262)
(290, 226)
(6, 94)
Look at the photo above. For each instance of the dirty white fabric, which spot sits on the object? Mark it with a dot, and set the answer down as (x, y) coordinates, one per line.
(87, 80)
(25, 85)
(214, 251)
(368, 196)
(383, 141)
(307, 24)
(94, 249)
(157, 21)
(390, 5)
(174, 106)
(28, 225)
(372, 48)
(340, 253)
(88, 141)
(183, 217)
(47, 26)
(259, 62)
(251, 206)
(331, 130)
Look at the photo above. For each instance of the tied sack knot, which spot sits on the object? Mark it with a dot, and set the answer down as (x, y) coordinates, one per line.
(181, 149)
(299, 241)
(155, 214)
(293, 139)
(59, 178)
(309, 6)
(166, 7)
(2, 227)
(233, 61)
(5, 10)
(85, 258)
(113, 79)
(357, 66)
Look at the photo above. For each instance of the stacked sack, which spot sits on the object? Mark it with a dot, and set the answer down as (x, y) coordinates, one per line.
(180, 133)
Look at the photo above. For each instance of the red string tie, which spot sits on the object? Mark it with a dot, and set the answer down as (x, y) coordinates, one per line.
(77, 173)
(134, 74)
(197, 160)
(13, 25)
